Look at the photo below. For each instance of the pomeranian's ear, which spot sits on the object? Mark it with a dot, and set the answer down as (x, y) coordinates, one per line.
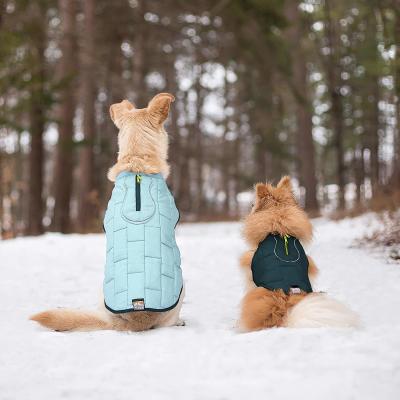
(158, 107)
(262, 190)
(285, 183)
(117, 110)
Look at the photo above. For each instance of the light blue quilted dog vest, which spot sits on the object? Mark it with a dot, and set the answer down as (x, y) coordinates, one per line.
(143, 261)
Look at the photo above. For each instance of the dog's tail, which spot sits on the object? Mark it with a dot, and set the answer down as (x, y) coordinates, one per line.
(263, 308)
(69, 320)
(319, 310)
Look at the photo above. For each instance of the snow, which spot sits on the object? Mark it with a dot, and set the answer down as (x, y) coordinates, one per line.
(206, 359)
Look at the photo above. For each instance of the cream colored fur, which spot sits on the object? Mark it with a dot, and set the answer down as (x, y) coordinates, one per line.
(143, 147)
(317, 310)
(142, 140)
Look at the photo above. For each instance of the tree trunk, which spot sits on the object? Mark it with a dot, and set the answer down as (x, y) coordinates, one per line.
(333, 81)
(305, 142)
(18, 198)
(174, 155)
(359, 175)
(225, 155)
(199, 150)
(184, 197)
(37, 126)
(87, 203)
(373, 130)
(261, 156)
(396, 155)
(108, 134)
(116, 91)
(237, 172)
(2, 11)
(35, 206)
(139, 42)
(64, 162)
(1, 194)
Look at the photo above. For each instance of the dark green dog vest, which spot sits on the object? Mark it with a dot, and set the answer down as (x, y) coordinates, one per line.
(281, 263)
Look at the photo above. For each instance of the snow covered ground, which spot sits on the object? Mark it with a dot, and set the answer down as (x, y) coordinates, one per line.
(206, 359)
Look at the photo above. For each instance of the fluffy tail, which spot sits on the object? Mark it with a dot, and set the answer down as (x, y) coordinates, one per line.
(68, 320)
(263, 308)
(318, 310)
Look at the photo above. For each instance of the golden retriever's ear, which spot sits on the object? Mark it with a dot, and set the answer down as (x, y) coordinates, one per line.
(262, 190)
(117, 110)
(285, 183)
(158, 107)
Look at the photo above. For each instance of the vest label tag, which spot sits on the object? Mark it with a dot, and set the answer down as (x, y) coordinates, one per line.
(295, 290)
(138, 304)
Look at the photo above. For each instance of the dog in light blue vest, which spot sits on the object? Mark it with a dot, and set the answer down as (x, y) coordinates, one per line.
(143, 262)
(143, 285)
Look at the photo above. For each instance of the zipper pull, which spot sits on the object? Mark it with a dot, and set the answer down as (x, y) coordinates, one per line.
(137, 193)
(285, 238)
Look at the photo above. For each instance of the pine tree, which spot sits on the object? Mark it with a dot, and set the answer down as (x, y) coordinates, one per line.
(64, 157)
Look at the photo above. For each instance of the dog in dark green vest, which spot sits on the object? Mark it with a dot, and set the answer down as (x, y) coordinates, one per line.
(277, 269)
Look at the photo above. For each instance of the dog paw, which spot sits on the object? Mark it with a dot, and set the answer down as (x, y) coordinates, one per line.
(180, 322)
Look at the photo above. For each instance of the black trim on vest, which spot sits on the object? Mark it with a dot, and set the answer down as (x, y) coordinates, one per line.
(179, 217)
(145, 309)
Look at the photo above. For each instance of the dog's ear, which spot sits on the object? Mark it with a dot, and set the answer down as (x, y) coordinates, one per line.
(117, 110)
(285, 183)
(158, 107)
(262, 190)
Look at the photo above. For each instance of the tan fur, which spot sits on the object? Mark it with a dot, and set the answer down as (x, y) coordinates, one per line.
(263, 308)
(276, 211)
(142, 140)
(78, 320)
(143, 147)
(312, 268)
(246, 258)
(245, 263)
(67, 320)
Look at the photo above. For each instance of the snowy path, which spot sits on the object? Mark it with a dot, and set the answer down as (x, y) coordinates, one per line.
(206, 359)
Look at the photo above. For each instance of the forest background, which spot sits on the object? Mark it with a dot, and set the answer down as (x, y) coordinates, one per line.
(263, 88)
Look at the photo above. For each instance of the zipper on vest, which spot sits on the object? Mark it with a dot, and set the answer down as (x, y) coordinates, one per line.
(285, 238)
(138, 180)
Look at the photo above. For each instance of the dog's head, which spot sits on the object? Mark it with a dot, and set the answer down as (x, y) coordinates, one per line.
(271, 198)
(276, 210)
(141, 130)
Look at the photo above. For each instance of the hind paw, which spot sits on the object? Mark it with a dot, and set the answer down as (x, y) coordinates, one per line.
(180, 322)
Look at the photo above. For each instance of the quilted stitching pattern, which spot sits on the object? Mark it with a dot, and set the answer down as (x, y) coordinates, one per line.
(142, 260)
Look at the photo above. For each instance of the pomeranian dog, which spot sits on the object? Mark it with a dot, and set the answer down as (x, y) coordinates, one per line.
(277, 269)
(143, 286)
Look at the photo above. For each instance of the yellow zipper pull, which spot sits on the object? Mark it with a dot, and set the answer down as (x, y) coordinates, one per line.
(138, 178)
(285, 238)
